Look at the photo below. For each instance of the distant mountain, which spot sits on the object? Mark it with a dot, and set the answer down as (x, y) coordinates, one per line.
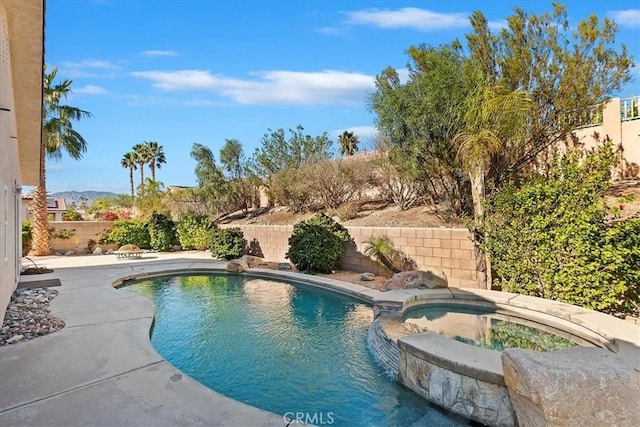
(75, 196)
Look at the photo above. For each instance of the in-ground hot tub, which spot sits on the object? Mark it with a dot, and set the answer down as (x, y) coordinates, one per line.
(409, 337)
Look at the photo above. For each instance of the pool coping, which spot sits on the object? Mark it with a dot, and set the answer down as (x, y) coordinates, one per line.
(103, 358)
(617, 335)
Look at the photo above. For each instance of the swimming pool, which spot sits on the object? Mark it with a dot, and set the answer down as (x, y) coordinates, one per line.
(286, 348)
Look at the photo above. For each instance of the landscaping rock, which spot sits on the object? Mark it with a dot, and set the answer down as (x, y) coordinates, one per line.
(69, 253)
(252, 261)
(582, 386)
(430, 279)
(28, 316)
(97, 251)
(367, 277)
(236, 266)
(283, 266)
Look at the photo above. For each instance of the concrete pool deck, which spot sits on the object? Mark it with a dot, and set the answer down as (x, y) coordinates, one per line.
(101, 369)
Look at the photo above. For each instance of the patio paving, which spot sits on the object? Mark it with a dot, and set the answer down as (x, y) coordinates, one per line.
(101, 369)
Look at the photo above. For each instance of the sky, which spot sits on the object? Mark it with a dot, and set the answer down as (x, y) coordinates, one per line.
(181, 72)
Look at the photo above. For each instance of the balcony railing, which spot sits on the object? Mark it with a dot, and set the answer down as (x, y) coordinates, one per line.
(630, 108)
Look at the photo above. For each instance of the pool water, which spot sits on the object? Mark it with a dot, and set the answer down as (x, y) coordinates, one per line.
(285, 348)
(487, 328)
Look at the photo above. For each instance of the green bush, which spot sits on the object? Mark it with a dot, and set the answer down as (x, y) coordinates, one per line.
(194, 231)
(162, 231)
(71, 214)
(318, 244)
(26, 237)
(552, 238)
(228, 243)
(129, 232)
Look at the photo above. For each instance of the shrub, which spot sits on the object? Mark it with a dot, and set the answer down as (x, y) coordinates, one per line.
(383, 250)
(71, 215)
(26, 237)
(162, 232)
(318, 244)
(228, 243)
(194, 231)
(550, 238)
(129, 232)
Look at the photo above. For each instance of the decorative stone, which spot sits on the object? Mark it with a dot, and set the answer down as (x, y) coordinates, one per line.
(251, 261)
(283, 266)
(430, 279)
(69, 253)
(97, 251)
(28, 316)
(14, 339)
(176, 248)
(236, 266)
(582, 386)
(109, 251)
(367, 277)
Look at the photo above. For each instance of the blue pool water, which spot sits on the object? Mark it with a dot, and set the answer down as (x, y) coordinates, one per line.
(280, 347)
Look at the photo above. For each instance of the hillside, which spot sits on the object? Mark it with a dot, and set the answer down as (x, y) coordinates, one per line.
(374, 214)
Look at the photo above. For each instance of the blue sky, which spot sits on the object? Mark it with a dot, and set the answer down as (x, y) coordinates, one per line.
(181, 72)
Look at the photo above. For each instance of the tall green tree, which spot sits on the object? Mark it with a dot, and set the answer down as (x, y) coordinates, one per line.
(277, 152)
(565, 68)
(130, 161)
(232, 158)
(213, 189)
(418, 119)
(348, 142)
(241, 183)
(59, 137)
(155, 157)
(142, 158)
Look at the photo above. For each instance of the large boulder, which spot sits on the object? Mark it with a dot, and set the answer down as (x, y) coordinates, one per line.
(237, 266)
(429, 279)
(251, 261)
(581, 386)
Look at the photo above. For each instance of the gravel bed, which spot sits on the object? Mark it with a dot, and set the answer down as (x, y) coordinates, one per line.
(28, 316)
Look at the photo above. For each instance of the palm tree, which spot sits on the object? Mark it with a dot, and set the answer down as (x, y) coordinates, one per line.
(58, 136)
(155, 157)
(129, 161)
(348, 143)
(141, 154)
(496, 125)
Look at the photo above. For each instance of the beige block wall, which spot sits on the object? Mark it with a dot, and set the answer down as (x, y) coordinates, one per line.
(450, 249)
(84, 231)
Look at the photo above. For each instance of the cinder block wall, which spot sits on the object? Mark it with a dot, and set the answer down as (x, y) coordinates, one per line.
(84, 230)
(450, 249)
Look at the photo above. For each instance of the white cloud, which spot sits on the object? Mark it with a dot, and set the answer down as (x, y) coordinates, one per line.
(89, 68)
(159, 53)
(408, 17)
(91, 90)
(327, 87)
(414, 18)
(628, 18)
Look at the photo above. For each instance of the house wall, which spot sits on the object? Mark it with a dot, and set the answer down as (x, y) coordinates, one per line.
(9, 172)
(625, 133)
